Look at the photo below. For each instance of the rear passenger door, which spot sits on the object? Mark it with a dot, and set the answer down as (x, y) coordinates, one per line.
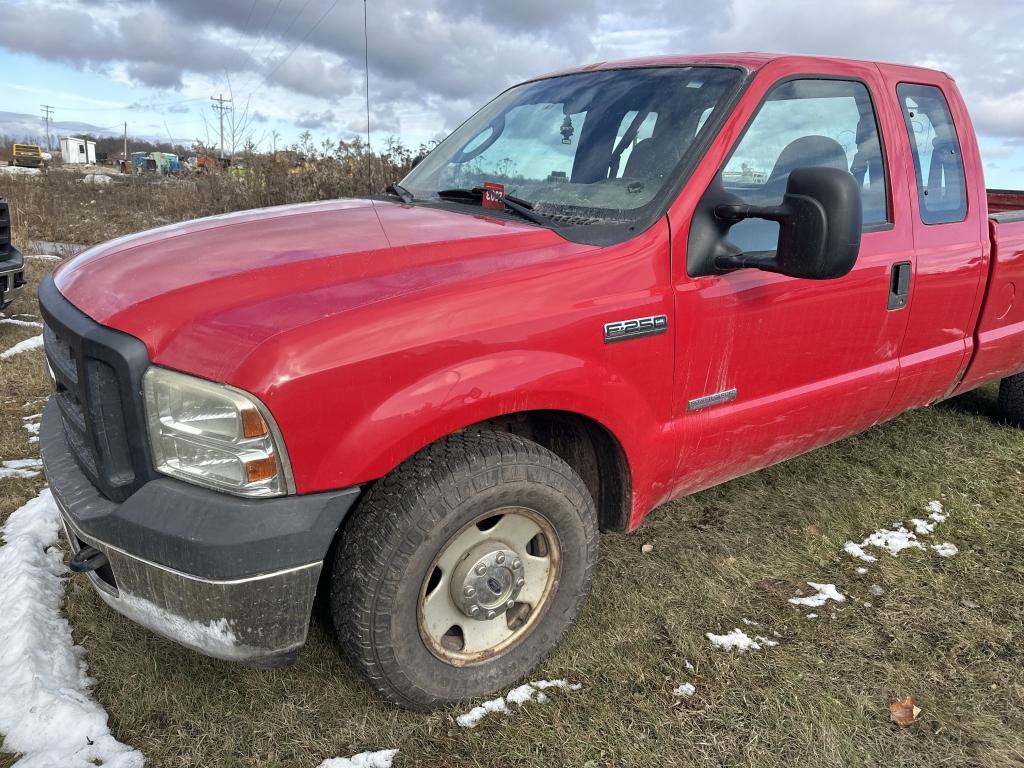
(770, 366)
(950, 242)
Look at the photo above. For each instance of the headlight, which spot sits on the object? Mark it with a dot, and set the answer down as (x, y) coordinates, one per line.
(213, 435)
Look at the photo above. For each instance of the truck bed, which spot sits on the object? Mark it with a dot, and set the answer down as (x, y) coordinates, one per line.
(1005, 205)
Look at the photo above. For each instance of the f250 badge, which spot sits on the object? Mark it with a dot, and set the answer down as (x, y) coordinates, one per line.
(638, 327)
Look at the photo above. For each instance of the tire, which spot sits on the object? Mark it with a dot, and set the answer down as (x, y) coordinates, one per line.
(1011, 400)
(395, 560)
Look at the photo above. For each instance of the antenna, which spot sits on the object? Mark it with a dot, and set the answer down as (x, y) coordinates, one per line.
(366, 64)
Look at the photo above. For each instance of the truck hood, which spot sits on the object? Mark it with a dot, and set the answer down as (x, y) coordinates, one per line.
(202, 295)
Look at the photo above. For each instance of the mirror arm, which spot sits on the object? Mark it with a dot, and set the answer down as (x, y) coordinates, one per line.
(731, 262)
(736, 212)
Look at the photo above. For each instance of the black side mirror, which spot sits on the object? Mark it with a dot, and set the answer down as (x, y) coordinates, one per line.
(820, 222)
(417, 160)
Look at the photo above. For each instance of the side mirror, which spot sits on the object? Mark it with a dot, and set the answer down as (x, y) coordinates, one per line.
(417, 160)
(820, 222)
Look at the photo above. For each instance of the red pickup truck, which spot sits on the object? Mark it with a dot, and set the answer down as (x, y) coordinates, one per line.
(611, 287)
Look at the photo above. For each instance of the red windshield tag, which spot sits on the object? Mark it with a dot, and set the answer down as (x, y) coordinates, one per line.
(494, 195)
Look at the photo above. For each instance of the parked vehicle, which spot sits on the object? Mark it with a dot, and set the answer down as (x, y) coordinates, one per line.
(12, 264)
(611, 287)
(27, 155)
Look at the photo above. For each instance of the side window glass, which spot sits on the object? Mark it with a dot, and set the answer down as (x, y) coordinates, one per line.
(941, 188)
(806, 123)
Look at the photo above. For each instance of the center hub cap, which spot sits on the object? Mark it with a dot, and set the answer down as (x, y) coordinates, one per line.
(487, 581)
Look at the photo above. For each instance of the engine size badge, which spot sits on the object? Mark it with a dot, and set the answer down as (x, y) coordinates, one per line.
(636, 328)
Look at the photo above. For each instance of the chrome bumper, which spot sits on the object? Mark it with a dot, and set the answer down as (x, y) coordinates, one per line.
(259, 620)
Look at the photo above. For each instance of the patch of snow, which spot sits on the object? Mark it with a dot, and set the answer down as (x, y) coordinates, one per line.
(861, 571)
(894, 540)
(684, 691)
(945, 549)
(812, 615)
(20, 468)
(856, 550)
(20, 323)
(380, 759)
(738, 640)
(825, 592)
(43, 257)
(46, 713)
(937, 512)
(23, 346)
(518, 696)
(96, 178)
(923, 527)
(31, 425)
(688, 666)
(19, 170)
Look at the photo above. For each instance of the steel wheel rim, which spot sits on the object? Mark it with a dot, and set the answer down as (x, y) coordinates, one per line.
(483, 554)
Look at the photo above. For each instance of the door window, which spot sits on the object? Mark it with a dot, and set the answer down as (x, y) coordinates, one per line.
(941, 189)
(806, 123)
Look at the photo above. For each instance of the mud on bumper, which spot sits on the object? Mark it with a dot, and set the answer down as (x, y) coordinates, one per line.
(228, 577)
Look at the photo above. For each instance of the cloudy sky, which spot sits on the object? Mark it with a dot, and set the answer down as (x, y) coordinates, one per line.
(298, 64)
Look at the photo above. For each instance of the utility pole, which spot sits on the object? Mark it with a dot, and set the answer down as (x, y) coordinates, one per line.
(220, 107)
(125, 153)
(47, 114)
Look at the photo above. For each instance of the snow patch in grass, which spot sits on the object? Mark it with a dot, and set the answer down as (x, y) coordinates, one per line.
(23, 346)
(46, 713)
(738, 640)
(43, 257)
(861, 571)
(945, 549)
(380, 759)
(31, 425)
(518, 696)
(20, 468)
(684, 691)
(20, 323)
(856, 550)
(898, 538)
(825, 592)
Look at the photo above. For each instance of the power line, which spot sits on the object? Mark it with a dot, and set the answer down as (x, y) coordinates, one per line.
(47, 114)
(304, 39)
(219, 107)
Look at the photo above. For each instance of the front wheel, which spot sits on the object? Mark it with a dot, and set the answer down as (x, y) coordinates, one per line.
(1011, 400)
(463, 568)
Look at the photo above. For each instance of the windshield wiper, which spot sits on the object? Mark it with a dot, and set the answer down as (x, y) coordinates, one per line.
(524, 208)
(400, 192)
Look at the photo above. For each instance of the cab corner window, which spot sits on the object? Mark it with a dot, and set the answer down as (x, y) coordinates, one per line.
(941, 187)
(805, 123)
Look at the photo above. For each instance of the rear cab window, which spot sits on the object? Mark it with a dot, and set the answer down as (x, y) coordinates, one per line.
(938, 162)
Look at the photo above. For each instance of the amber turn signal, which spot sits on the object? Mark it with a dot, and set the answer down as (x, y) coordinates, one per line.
(260, 469)
(253, 424)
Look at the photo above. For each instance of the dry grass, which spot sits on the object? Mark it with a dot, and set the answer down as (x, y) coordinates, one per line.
(946, 631)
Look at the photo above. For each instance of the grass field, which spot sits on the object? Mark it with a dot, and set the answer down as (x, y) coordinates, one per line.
(946, 630)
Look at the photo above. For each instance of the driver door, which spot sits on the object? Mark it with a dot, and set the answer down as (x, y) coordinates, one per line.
(769, 366)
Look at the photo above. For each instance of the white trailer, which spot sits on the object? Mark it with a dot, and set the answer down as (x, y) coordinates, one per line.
(74, 150)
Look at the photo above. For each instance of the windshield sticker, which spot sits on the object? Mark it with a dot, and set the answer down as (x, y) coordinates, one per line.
(494, 195)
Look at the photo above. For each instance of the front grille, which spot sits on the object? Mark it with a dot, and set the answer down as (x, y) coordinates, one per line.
(97, 380)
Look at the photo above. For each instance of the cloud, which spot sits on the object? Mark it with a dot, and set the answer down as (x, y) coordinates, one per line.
(308, 121)
(440, 59)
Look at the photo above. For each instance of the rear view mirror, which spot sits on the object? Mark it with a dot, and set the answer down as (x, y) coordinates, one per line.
(820, 222)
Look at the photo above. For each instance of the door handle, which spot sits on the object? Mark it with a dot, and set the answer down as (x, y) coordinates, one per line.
(899, 284)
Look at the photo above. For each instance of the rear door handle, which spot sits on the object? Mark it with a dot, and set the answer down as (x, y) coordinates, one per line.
(899, 284)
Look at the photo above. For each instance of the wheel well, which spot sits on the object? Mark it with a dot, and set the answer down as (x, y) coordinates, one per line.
(586, 446)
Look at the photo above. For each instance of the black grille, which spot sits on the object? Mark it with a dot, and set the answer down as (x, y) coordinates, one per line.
(97, 376)
(6, 249)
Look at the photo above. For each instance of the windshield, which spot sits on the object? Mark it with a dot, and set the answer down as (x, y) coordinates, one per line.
(596, 145)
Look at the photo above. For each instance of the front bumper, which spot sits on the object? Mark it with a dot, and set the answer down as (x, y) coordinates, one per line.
(229, 577)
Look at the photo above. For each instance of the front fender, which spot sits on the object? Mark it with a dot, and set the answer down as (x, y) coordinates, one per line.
(454, 397)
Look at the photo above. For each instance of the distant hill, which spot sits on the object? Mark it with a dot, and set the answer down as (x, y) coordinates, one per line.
(20, 126)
